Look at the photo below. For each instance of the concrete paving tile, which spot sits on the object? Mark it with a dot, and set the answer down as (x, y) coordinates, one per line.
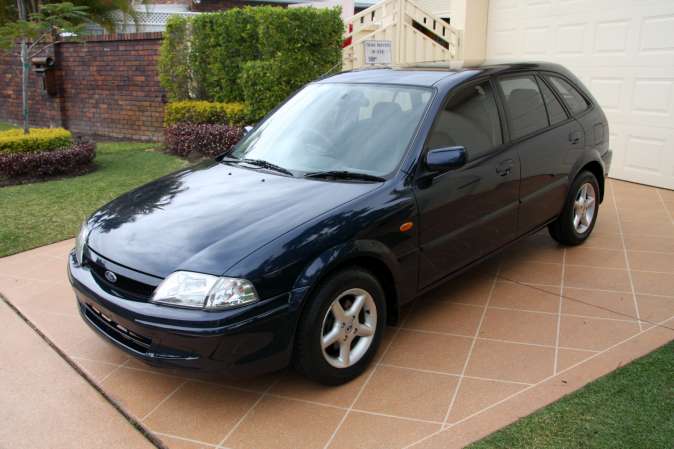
(518, 326)
(293, 385)
(510, 361)
(476, 394)
(593, 334)
(600, 304)
(365, 431)
(284, 424)
(427, 351)
(525, 297)
(202, 412)
(44, 403)
(410, 394)
(139, 392)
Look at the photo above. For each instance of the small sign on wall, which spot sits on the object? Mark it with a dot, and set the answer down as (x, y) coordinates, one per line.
(378, 51)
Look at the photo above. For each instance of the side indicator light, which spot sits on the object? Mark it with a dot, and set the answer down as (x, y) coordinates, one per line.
(406, 226)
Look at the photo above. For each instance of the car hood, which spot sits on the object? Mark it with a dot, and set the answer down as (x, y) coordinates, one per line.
(208, 217)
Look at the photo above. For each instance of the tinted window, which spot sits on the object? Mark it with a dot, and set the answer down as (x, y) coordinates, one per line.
(524, 104)
(573, 99)
(556, 112)
(471, 120)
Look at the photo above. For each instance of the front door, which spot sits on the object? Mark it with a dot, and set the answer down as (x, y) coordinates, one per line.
(470, 211)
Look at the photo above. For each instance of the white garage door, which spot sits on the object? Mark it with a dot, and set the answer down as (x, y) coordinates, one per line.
(623, 50)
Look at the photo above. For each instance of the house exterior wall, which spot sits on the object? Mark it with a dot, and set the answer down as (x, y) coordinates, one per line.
(107, 86)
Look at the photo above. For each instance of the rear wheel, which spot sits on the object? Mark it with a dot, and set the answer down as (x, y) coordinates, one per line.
(579, 215)
(341, 329)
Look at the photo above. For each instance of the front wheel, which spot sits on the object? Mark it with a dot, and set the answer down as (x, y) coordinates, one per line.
(341, 330)
(580, 212)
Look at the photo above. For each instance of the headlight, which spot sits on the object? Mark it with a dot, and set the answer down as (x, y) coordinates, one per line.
(204, 291)
(80, 242)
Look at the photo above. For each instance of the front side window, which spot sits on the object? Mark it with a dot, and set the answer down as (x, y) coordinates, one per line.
(573, 99)
(363, 128)
(524, 104)
(470, 120)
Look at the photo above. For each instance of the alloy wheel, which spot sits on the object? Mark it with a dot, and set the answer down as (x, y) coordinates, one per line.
(584, 208)
(348, 328)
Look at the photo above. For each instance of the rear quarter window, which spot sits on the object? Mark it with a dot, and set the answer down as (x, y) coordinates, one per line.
(573, 99)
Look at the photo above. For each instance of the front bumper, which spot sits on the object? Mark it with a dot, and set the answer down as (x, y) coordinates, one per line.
(239, 342)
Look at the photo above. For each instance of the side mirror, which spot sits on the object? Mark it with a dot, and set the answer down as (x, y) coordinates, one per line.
(443, 159)
(247, 129)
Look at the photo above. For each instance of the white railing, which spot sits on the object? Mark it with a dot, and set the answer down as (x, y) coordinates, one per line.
(416, 35)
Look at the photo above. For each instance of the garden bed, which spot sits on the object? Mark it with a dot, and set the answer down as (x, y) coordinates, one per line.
(42, 154)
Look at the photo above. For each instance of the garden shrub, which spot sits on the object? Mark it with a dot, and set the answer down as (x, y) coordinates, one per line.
(207, 140)
(221, 42)
(301, 32)
(254, 55)
(70, 160)
(175, 74)
(37, 140)
(196, 111)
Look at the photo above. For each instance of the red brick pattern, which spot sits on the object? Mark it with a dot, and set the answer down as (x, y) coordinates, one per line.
(107, 86)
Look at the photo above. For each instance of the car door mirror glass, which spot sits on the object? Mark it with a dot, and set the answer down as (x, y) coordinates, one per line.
(447, 158)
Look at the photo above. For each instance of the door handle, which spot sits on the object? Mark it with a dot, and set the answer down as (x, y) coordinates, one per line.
(574, 137)
(504, 168)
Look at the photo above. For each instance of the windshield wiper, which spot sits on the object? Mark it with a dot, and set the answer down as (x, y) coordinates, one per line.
(343, 174)
(259, 163)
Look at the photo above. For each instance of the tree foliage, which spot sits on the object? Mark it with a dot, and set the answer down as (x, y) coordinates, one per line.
(102, 12)
(42, 28)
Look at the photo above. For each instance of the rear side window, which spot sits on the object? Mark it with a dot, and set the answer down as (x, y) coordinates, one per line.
(573, 99)
(556, 112)
(524, 103)
(471, 120)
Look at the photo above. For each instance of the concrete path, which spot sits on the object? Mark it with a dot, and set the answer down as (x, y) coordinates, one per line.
(45, 403)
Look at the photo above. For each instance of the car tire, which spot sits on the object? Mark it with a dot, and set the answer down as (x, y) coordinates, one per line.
(578, 217)
(322, 322)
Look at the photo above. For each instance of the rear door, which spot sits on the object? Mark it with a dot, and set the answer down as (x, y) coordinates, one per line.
(470, 211)
(547, 141)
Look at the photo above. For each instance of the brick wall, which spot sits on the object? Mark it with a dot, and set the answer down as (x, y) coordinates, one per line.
(107, 86)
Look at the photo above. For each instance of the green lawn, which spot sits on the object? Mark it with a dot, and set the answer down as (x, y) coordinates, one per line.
(36, 214)
(5, 126)
(633, 407)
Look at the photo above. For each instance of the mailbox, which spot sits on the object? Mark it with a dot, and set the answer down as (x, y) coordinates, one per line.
(43, 66)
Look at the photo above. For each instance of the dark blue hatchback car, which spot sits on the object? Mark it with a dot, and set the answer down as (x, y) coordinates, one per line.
(359, 193)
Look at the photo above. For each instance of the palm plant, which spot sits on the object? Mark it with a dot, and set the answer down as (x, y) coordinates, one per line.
(102, 12)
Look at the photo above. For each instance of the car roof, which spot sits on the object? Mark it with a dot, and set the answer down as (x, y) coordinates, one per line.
(429, 74)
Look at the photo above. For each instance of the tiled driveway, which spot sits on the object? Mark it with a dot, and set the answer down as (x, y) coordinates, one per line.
(493, 345)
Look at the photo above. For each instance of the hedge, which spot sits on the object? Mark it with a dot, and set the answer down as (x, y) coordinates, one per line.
(37, 140)
(174, 65)
(254, 55)
(201, 140)
(71, 160)
(267, 83)
(220, 43)
(196, 111)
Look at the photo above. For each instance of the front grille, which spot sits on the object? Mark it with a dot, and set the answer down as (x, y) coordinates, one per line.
(116, 331)
(124, 286)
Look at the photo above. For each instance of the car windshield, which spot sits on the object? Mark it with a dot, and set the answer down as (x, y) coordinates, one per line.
(360, 128)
